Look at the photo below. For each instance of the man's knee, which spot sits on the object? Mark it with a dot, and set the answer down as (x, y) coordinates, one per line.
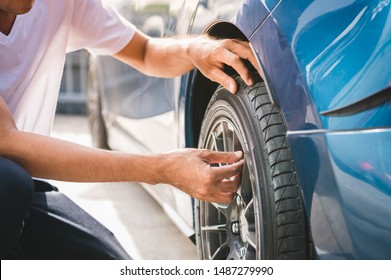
(15, 182)
(16, 189)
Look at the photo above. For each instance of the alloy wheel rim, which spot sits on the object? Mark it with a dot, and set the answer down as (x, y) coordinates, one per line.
(228, 231)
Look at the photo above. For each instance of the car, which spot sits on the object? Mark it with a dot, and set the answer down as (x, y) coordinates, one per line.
(315, 128)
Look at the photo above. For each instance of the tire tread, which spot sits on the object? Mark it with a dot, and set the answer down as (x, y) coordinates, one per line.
(291, 229)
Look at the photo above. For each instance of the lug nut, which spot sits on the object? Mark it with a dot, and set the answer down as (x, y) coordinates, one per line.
(235, 228)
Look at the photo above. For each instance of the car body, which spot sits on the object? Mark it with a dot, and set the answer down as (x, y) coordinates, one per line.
(325, 69)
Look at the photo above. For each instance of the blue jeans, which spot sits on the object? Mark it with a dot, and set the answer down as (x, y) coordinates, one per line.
(38, 222)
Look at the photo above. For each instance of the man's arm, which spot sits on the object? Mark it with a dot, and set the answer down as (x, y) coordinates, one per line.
(170, 57)
(188, 170)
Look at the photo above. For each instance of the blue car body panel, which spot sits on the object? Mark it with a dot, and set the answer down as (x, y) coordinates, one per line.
(251, 14)
(363, 177)
(342, 48)
(323, 55)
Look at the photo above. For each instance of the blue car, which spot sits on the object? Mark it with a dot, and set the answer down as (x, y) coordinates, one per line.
(315, 128)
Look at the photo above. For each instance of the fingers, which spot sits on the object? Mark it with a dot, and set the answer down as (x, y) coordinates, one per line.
(210, 56)
(225, 190)
(229, 185)
(219, 76)
(232, 169)
(213, 184)
(228, 171)
(243, 49)
(233, 53)
(221, 157)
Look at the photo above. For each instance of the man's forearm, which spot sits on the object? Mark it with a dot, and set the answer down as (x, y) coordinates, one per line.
(50, 158)
(163, 57)
(170, 57)
(189, 170)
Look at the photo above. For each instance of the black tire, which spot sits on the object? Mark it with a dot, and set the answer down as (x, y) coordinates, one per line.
(94, 110)
(266, 220)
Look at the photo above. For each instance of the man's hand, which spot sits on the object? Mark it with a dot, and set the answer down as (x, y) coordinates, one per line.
(194, 172)
(210, 56)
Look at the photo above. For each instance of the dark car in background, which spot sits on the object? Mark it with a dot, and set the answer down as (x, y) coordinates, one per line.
(315, 128)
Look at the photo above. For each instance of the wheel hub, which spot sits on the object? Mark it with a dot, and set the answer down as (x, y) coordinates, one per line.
(241, 226)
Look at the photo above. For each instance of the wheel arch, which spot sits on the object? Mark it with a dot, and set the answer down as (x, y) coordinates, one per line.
(201, 88)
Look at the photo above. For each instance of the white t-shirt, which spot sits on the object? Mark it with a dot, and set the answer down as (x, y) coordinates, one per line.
(32, 56)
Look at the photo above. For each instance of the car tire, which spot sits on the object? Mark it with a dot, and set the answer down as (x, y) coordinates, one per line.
(266, 219)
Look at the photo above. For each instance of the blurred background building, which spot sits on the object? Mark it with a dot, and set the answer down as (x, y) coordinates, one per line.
(73, 90)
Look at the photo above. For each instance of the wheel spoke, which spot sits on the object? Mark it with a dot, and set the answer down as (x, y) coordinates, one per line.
(236, 142)
(249, 207)
(221, 227)
(231, 254)
(218, 142)
(212, 138)
(251, 239)
(219, 250)
(222, 207)
(249, 214)
(213, 144)
(227, 137)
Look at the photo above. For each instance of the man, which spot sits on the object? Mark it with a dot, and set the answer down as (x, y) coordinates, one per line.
(38, 222)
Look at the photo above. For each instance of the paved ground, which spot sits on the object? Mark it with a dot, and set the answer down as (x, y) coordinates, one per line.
(135, 218)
